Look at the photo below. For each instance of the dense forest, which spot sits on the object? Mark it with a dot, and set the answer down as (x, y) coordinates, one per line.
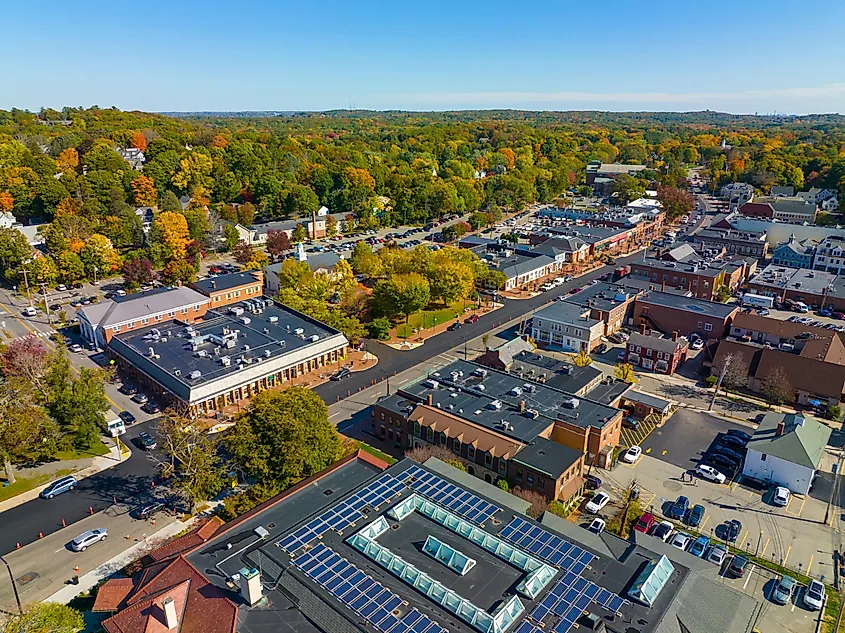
(385, 167)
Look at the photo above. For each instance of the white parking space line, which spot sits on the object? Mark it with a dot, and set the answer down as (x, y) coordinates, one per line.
(748, 577)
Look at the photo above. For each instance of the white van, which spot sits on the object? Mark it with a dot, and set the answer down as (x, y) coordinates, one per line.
(30, 311)
(801, 307)
(116, 427)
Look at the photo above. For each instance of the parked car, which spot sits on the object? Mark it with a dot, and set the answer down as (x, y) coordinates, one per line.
(599, 500)
(342, 373)
(601, 349)
(781, 496)
(150, 509)
(127, 417)
(699, 546)
(65, 484)
(724, 461)
(679, 509)
(592, 482)
(738, 566)
(740, 434)
(632, 454)
(472, 318)
(663, 530)
(645, 523)
(732, 441)
(716, 555)
(455, 326)
(696, 515)
(728, 452)
(151, 407)
(76, 347)
(621, 355)
(814, 596)
(140, 398)
(630, 423)
(88, 538)
(597, 525)
(697, 344)
(709, 473)
(680, 540)
(128, 389)
(732, 530)
(782, 591)
(147, 441)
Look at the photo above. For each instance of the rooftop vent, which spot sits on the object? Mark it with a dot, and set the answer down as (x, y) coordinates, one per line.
(195, 374)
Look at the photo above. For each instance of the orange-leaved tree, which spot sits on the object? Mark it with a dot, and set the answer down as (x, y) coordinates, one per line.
(139, 141)
(143, 191)
(7, 202)
(68, 161)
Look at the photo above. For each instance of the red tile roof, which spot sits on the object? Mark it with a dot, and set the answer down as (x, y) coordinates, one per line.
(205, 608)
(112, 594)
(189, 541)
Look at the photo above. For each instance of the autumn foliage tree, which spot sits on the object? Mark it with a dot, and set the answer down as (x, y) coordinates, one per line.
(676, 203)
(68, 161)
(7, 202)
(144, 192)
(278, 243)
(139, 141)
(170, 229)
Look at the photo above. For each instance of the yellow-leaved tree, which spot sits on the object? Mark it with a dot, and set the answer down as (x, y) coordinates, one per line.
(170, 229)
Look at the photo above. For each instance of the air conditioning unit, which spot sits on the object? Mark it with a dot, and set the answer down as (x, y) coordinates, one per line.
(195, 374)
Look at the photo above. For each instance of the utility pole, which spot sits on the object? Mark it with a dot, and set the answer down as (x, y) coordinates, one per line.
(26, 283)
(46, 307)
(728, 360)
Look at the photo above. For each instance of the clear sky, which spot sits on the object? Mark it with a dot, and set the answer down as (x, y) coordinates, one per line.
(186, 55)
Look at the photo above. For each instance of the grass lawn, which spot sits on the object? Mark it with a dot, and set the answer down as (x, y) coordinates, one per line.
(97, 450)
(428, 318)
(22, 484)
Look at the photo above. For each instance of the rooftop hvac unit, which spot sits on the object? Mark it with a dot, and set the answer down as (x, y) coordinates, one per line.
(532, 413)
(225, 361)
(572, 403)
(151, 352)
(195, 374)
(431, 384)
(246, 320)
(273, 319)
(246, 348)
(299, 331)
(496, 405)
(177, 372)
(237, 310)
(266, 330)
(267, 353)
(314, 338)
(201, 354)
(529, 388)
(516, 391)
(481, 387)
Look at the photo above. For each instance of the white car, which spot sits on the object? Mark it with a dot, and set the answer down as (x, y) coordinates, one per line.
(781, 496)
(88, 538)
(680, 540)
(697, 344)
(814, 595)
(597, 525)
(716, 555)
(709, 473)
(599, 500)
(632, 454)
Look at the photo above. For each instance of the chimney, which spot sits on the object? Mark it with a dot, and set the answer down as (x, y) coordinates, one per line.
(429, 400)
(779, 430)
(675, 336)
(642, 328)
(314, 224)
(250, 585)
(521, 406)
(213, 284)
(171, 620)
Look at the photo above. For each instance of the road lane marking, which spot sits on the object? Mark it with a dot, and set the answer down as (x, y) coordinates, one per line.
(706, 519)
(742, 540)
(763, 553)
(809, 565)
(786, 558)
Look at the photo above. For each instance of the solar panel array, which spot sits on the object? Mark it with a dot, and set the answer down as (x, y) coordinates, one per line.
(569, 598)
(448, 495)
(358, 591)
(344, 514)
(546, 546)
(416, 622)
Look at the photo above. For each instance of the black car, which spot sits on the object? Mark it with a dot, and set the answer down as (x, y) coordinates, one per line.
(151, 407)
(740, 434)
(56, 307)
(732, 441)
(729, 453)
(127, 417)
(601, 349)
(147, 441)
(340, 375)
(732, 530)
(128, 389)
(722, 460)
(592, 482)
(630, 423)
(456, 325)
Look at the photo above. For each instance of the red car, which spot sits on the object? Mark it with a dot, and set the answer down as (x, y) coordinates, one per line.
(838, 315)
(574, 290)
(645, 523)
(472, 318)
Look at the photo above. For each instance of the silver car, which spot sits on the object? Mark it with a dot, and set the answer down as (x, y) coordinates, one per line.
(88, 538)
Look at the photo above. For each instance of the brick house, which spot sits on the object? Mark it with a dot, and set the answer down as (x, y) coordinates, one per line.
(227, 289)
(648, 350)
(669, 313)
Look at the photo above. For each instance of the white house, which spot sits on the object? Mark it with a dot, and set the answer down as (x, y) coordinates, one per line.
(786, 450)
(566, 326)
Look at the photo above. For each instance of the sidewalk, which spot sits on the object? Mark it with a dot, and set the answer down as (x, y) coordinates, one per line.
(79, 468)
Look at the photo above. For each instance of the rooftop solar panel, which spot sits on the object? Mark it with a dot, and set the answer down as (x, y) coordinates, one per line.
(546, 546)
(450, 496)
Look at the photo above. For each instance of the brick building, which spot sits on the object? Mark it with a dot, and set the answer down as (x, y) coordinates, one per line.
(649, 350)
(669, 313)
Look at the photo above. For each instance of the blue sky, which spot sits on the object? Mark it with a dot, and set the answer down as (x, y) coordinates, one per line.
(184, 55)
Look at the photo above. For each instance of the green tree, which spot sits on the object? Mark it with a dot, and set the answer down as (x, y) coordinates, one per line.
(77, 403)
(46, 617)
(450, 281)
(581, 359)
(169, 201)
(14, 248)
(299, 234)
(191, 457)
(627, 188)
(402, 294)
(364, 261)
(379, 328)
(284, 436)
(71, 268)
(293, 273)
(230, 236)
(26, 432)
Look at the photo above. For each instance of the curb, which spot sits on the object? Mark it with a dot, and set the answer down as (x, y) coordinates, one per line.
(93, 469)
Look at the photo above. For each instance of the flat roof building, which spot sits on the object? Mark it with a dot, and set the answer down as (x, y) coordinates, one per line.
(227, 356)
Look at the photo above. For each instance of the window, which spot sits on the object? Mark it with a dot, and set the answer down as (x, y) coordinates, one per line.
(158, 317)
(145, 320)
(541, 483)
(417, 429)
(530, 479)
(116, 328)
(708, 327)
(382, 416)
(471, 452)
(184, 310)
(171, 314)
(456, 446)
(442, 438)
(763, 457)
(488, 460)
(130, 325)
(429, 434)
(503, 466)
(519, 474)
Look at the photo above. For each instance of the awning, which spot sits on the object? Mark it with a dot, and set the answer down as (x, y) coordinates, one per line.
(814, 403)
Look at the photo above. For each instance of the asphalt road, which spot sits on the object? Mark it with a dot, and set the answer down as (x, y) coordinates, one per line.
(132, 480)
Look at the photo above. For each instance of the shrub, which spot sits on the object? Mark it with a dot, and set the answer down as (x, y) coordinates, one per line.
(833, 413)
(539, 503)
(503, 485)
(711, 381)
(379, 328)
(456, 463)
(420, 455)
(559, 509)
